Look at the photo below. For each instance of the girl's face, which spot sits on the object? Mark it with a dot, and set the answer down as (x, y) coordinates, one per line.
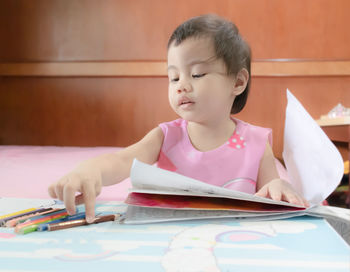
(199, 88)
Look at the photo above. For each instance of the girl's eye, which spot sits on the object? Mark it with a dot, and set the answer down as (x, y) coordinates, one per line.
(198, 75)
(174, 79)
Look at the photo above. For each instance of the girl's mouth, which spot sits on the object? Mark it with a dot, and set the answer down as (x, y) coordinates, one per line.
(184, 101)
(186, 105)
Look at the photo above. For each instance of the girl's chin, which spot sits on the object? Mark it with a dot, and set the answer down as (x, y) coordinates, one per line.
(190, 117)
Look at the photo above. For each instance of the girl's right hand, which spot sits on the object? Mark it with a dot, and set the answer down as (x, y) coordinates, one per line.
(82, 185)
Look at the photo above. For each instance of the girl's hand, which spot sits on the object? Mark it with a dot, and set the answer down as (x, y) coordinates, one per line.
(86, 181)
(278, 189)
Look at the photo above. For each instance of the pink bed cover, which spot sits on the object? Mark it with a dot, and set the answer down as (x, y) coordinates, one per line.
(27, 171)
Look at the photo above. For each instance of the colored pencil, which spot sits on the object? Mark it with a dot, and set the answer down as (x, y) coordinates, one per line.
(52, 212)
(33, 227)
(81, 222)
(7, 217)
(15, 213)
(39, 221)
(13, 222)
(44, 226)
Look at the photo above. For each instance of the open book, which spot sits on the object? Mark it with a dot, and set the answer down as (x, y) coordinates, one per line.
(158, 195)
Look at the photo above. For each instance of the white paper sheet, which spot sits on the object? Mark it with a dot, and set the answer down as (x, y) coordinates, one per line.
(315, 166)
(147, 178)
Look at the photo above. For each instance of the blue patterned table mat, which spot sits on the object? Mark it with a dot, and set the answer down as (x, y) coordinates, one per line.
(298, 244)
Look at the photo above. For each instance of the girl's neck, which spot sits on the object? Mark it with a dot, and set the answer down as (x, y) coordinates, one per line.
(206, 137)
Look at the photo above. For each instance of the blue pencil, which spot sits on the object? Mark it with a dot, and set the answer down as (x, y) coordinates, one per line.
(44, 227)
(54, 211)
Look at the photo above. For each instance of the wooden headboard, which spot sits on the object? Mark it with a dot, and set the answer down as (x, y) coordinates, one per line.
(93, 73)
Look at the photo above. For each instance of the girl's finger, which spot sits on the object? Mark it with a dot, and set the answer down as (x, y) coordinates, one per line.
(292, 198)
(89, 196)
(305, 202)
(69, 192)
(262, 192)
(275, 194)
(51, 190)
(60, 187)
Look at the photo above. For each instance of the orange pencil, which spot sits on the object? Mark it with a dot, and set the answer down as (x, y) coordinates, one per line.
(34, 227)
(40, 220)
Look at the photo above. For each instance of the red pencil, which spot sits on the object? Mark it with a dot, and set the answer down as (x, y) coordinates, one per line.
(40, 220)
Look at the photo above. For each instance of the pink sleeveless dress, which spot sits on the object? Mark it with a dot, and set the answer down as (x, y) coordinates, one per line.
(234, 165)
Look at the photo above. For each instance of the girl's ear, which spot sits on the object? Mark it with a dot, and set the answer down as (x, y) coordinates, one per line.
(241, 82)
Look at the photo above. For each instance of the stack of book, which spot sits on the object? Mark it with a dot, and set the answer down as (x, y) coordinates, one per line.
(158, 195)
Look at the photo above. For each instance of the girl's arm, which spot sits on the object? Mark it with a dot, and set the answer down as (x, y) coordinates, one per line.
(89, 177)
(270, 185)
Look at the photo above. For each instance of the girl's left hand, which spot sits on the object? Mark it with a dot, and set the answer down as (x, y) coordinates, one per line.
(278, 189)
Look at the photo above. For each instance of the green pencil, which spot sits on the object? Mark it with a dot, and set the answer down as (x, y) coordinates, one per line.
(34, 227)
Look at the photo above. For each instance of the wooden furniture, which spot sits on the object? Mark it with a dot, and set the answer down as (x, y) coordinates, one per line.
(93, 73)
(338, 130)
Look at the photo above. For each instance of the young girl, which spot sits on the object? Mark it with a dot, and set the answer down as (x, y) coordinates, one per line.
(208, 70)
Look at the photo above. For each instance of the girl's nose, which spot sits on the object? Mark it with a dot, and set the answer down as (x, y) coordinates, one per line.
(182, 90)
(184, 87)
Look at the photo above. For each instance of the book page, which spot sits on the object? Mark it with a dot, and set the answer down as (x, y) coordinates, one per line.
(315, 166)
(142, 215)
(330, 212)
(203, 203)
(147, 178)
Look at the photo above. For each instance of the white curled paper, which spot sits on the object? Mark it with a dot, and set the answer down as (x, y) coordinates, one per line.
(315, 166)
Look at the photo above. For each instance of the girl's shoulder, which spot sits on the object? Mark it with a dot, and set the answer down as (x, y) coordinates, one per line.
(252, 131)
(248, 125)
(178, 124)
(174, 123)
(174, 133)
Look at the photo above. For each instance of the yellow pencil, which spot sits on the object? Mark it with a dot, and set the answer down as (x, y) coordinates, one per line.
(17, 213)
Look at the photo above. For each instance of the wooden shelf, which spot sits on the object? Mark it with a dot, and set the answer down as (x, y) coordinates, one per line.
(261, 68)
(339, 121)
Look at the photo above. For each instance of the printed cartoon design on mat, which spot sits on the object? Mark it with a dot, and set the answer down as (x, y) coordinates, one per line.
(193, 248)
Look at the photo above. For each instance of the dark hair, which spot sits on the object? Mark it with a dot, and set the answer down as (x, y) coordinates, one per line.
(228, 44)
